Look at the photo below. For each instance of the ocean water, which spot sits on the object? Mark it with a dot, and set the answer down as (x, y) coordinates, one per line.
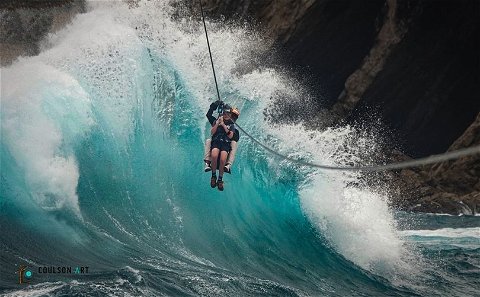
(101, 145)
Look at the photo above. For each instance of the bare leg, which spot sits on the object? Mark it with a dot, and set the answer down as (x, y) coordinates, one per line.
(223, 160)
(215, 153)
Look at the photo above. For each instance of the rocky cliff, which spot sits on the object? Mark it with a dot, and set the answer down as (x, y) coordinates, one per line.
(24, 23)
(413, 64)
(450, 187)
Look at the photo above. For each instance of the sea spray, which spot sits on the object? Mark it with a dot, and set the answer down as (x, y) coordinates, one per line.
(131, 127)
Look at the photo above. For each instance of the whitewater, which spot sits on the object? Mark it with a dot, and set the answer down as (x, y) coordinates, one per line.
(102, 139)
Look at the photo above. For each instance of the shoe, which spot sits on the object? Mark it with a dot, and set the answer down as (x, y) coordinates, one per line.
(220, 185)
(213, 182)
(207, 167)
(226, 168)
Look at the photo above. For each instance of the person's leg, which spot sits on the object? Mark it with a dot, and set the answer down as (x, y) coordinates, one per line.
(215, 153)
(206, 156)
(223, 159)
(213, 180)
(231, 157)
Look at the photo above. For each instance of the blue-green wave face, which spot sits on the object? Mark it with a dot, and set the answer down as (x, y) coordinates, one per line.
(102, 147)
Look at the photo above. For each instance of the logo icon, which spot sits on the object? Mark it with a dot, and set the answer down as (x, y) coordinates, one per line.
(24, 274)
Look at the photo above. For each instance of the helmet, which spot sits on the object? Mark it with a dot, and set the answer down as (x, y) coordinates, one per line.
(235, 112)
(226, 108)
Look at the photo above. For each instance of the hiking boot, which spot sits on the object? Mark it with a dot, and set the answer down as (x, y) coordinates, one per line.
(213, 181)
(220, 185)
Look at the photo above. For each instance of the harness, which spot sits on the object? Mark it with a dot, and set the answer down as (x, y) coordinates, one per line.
(222, 136)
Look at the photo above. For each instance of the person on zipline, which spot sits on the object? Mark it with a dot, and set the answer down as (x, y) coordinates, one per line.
(224, 135)
(236, 136)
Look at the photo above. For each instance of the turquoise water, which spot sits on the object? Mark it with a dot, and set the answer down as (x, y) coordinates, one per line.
(102, 141)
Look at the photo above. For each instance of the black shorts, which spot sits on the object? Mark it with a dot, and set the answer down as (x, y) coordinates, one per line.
(222, 146)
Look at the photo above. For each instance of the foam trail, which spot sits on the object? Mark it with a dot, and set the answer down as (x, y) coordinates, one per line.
(473, 232)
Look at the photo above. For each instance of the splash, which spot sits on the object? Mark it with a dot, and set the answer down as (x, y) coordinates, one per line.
(107, 122)
(35, 94)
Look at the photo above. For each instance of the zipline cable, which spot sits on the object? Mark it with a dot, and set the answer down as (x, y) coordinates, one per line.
(209, 51)
(384, 167)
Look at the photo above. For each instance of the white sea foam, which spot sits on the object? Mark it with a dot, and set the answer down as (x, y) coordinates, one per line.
(42, 289)
(48, 101)
(473, 232)
(445, 238)
(354, 219)
(44, 112)
(108, 58)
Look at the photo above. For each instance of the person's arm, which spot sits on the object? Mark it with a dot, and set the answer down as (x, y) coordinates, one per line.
(226, 129)
(229, 132)
(210, 117)
(215, 125)
(236, 135)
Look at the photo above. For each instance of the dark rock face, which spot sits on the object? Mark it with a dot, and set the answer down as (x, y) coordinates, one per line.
(25, 23)
(449, 187)
(331, 40)
(429, 88)
(391, 33)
